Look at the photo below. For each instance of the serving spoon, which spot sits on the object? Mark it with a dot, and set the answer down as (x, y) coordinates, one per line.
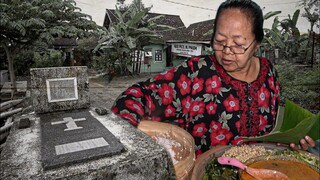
(258, 174)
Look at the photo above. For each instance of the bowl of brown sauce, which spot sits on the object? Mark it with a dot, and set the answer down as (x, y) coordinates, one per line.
(295, 169)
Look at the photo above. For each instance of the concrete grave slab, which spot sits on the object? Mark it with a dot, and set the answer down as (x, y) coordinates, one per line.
(59, 88)
(74, 136)
(143, 158)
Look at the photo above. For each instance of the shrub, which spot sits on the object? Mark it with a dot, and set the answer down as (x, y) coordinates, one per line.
(22, 62)
(52, 58)
(300, 84)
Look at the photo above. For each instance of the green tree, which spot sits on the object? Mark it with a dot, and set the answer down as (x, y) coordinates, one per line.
(133, 30)
(34, 23)
(285, 36)
(311, 8)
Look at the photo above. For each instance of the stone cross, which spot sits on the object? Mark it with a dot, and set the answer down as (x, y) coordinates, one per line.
(70, 123)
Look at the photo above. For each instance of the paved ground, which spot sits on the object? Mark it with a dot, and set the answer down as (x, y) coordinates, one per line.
(103, 94)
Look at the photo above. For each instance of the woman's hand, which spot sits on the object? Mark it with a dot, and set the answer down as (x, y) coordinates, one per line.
(305, 143)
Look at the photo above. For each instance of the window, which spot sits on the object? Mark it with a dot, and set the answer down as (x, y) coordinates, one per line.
(158, 55)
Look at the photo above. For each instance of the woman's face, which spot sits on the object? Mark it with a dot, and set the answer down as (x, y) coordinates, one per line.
(234, 28)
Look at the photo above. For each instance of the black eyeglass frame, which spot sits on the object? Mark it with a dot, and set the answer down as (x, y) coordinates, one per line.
(230, 47)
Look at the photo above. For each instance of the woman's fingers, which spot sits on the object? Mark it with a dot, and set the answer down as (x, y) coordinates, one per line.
(305, 143)
(310, 141)
(295, 146)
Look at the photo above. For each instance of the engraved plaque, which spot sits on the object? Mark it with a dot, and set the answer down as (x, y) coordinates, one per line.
(59, 88)
(68, 137)
(62, 89)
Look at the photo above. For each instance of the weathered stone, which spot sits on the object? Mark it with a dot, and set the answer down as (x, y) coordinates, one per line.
(142, 159)
(59, 88)
(24, 123)
(101, 111)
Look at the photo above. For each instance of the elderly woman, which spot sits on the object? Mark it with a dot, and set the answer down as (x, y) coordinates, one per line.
(218, 98)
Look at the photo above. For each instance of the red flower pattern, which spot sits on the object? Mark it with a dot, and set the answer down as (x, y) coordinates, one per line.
(184, 84)
(215, 125)
(211, 108)
(263, 123)
(170, 111)
(237, 141)
(199, 103)
(114, 109)
(271, 83)
(149, 103)
(213, 85)
(134, 91)
(135, 106)
(192, 60)
(152, 86)
(168, 75)
(221, 136)
(238, 125)
(231, 104)
(197, 86)
(199, 130)
(130, 118)
(277, 88)
(181, 122)
(186, 104)
(197, 107)
(166, 94)
(264, 96)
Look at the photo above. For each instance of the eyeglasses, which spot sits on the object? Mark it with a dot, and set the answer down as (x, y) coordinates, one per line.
(234, 49)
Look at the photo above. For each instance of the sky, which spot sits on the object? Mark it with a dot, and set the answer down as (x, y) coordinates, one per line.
(192, 11)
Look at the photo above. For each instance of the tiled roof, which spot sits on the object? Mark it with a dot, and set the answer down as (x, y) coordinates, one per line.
(177, 34)
(195, 32)
(198, 31)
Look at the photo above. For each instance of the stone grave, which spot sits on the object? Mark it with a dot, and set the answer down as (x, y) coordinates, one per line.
(142, 159)
(67, 139)
(59, 88)
(74, 136)
(68, 134)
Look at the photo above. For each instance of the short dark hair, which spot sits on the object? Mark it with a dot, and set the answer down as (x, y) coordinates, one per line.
(248, 7)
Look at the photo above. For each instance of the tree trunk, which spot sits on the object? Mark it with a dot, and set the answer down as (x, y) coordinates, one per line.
(10, 68)
(139, 62)
(312, 50)
(133, 60)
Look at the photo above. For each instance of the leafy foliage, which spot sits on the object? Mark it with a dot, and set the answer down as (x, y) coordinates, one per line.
(133, 30)
(23, 62)
(29, 21)
(311, 8)
(24, 24)
(285, 36)
(50, 59)
(296, 123)
(83, 54)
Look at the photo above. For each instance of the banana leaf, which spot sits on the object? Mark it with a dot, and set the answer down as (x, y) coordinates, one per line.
(292, 124)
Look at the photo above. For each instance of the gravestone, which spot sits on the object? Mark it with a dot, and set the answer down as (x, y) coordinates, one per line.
(68, 134)
(59, 88)
(142, 159)
(67, 140)
(74, 136)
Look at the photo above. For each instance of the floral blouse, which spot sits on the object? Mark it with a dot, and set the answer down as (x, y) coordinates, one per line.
(199, 96)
